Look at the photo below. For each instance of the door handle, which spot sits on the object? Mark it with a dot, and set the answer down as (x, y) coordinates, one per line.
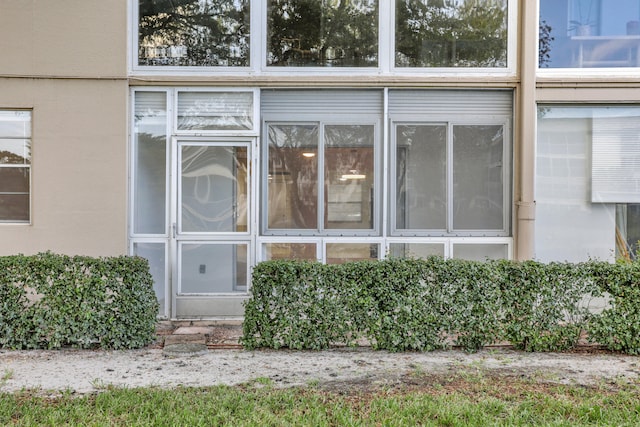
(173, 228)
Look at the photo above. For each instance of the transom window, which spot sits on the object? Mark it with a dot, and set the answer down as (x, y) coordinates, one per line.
(15, 166)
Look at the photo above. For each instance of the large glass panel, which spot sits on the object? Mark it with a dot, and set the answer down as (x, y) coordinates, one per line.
(193, 32)
(215, 110)
(349, 176)
(421, 169)
(568, 226)
(150, 163)
(478, 177)
(299, 251)
(416, 250)
(155, 254)
(322, 33)
(451, 33)
(15, 170)
(213, 268)
(293, 177)
(589, 33)
(214, 191)
(338, 253)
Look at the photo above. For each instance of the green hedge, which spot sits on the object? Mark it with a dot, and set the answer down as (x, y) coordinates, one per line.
(428, 304)
(50, 301)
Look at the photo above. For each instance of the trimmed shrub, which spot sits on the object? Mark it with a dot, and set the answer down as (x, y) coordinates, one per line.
(50, 301)
(617, 328)
(428, 304)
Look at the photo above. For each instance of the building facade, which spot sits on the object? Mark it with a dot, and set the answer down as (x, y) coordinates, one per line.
(210, 135)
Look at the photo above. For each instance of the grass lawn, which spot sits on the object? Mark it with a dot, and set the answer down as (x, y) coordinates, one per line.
(415, 399)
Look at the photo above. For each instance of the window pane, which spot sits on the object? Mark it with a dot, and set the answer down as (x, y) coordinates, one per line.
(215, 110)
(589, 33)
(14, 180)
(150, 163)
(331, 33)
(15, 151)
(421, 168)
(480, 252)
(213, 268)
(155, 254)
(15, 124)
(14, 207)
(338, 253)
(293, 177)
(416, 250)
(214, 189)
(478, 187)
(193, 32)
(349, 176)
(462, 33)
(628, 231)
(301, 251)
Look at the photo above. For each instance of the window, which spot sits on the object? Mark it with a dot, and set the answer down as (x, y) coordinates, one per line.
(451, 163)
(296, 198)
(364, 36)
(586, 162)
(589, 34)
(193, 33)
(460, 33)
(15, 166)
(329, 33)
(319, 162)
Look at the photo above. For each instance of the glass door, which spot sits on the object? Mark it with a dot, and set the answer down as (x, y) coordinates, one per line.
(210, 229)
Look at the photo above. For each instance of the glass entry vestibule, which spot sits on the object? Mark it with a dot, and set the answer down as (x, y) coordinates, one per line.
(222, 179)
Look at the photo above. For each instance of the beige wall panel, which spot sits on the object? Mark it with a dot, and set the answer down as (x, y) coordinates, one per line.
(76, 38)
(605, 95)
(79, 167)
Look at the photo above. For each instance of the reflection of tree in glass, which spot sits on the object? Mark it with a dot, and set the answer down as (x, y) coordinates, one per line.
(194, 32)
(7, 157)
(323, 33)
(544, 44)
(451, 33)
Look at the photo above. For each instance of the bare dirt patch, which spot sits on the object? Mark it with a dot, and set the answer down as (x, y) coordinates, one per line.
(336, 370)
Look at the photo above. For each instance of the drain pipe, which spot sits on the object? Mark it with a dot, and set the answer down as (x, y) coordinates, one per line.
(526, 107)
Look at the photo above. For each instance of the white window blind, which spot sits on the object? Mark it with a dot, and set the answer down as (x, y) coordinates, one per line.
(616, 159)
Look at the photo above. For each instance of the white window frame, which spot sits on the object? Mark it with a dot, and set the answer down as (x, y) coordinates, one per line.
(386, 52)
(24, 166)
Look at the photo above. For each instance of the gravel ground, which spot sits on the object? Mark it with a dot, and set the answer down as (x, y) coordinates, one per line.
(87, 371)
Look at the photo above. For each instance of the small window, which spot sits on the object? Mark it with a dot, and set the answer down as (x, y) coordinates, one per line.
(331, 33)
(15, 166)
(463, 33)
